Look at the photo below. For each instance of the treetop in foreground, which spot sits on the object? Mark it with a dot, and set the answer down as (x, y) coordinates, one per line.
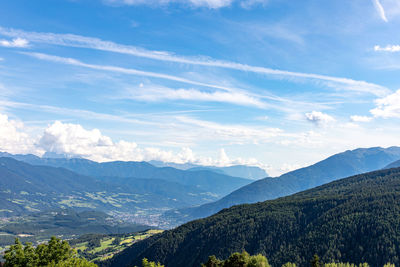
(55, 253)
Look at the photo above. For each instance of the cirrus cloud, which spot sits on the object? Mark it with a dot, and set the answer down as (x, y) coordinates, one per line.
(212, 4)
(154, 93)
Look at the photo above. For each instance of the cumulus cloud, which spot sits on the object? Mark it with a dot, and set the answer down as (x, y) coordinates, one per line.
(73, 139)
(388, 107)
(13, 138)
(319, 118)
(17, 42)
(388, 48)
(357, 118)
(76, 141)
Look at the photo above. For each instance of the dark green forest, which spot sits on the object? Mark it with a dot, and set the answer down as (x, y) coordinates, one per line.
(356, 219)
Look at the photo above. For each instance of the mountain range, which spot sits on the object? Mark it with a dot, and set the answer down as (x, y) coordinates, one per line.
(38, 184)
(243, 171)
(26, 188)
(216, 184)
(338, 166)
(354, 219)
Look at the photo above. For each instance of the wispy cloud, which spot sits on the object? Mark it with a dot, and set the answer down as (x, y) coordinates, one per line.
(234, 134)
(75, 62)
(250, 3)
(154, 93)
(79, 113)
(212, 4)
(98, 44)
(388, 48)
(381, 11)
(157, 93)
(17, 42)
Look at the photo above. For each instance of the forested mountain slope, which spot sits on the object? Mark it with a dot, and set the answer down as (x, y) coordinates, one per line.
(355, 219)
(338, 166)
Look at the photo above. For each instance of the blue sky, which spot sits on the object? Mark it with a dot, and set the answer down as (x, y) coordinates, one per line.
(275, 83)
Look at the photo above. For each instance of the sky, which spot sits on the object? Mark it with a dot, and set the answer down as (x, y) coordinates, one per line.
(278, 84)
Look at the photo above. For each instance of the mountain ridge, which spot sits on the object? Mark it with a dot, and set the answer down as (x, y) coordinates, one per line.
(347, 163)
(243, 171)
(209, 181)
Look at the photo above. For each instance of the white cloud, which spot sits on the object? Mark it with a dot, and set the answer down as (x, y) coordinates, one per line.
(75, 62)
(160, 93)
(388, 107)
(381, 11)
(388, 48)
(233, 134)
(17, 42)
(1, 59)
(72, 40)
(357, 118)
(74, 140)
(13, 137)
(319, 118)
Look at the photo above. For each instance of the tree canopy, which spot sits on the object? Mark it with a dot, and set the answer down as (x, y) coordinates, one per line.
(238, 260)
(55, 253)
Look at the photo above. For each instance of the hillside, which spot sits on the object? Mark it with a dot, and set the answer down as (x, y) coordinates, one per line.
(99, 247)
(205, 180)
(395, 164)
(40, 226)
(26, 188)
(350, 220)
(335, 167)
